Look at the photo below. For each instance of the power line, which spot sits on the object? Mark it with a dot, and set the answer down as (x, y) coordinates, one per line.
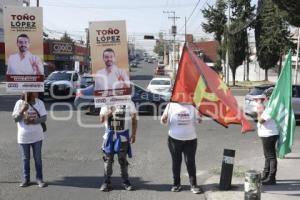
(191, 14)
(112, 7)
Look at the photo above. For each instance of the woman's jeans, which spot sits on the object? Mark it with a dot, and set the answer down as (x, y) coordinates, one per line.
(37, 155)
(188, 149)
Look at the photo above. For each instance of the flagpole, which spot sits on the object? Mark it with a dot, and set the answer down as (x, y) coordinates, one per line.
(227, 53)
(297, 54)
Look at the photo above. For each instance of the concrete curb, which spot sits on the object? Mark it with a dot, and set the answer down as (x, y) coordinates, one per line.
(212, 191)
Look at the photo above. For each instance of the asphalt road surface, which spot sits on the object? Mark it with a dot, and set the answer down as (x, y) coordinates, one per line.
(72, 158)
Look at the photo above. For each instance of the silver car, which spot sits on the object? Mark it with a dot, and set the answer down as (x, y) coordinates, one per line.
(258, 91)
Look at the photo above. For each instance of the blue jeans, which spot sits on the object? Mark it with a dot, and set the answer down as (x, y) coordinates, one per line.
(37, 155)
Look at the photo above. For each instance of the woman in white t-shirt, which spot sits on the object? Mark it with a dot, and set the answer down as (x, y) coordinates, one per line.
(29, 115)
(182, 139)
(268, 132)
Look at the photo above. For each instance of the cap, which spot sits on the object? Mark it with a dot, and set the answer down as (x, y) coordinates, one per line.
(268, 92)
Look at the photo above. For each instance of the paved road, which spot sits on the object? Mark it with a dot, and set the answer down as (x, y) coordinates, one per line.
(72, 157)
(73, 165)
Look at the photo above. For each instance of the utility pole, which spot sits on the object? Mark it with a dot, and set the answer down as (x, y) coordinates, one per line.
(297, 57)
(173, 32)
(37, 3)
(184, 29)
(88, 63)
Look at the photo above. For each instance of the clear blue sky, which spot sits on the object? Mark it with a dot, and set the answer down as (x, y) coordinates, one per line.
(142, 17)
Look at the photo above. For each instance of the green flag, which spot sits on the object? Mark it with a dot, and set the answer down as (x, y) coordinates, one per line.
(280, 109)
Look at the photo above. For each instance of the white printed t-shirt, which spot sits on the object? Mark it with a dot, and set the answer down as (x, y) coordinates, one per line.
(107, 81)
(268, 128)
(181, 120)
(33, 132)
(128, 109)
(18, 66)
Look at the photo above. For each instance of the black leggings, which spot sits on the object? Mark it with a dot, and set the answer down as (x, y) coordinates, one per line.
(269, 146)
(188, 148)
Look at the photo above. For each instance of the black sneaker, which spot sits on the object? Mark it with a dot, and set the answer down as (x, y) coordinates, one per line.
(106, 187)
(196, 190)
(127, 186)
(24, 184)
(176, 188)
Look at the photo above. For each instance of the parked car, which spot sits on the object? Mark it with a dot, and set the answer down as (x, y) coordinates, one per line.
(86, 81)
(160, 70)
(258, 91)
(145, 102)
(160, 64)
(134, 64)
(160, 85)
(61, 84)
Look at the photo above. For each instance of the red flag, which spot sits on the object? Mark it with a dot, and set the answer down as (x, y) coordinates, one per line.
(198, 84)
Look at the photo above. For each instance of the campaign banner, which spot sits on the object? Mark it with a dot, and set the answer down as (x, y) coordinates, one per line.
(109, 59)
(23, 36)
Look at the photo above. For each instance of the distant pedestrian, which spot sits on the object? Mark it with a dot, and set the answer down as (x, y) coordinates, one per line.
(269, 134)
(116, 140)
(29, 112)
(182, 139)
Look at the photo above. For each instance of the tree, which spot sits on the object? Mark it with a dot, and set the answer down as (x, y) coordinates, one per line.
(216, 21)
(290, 10)
(160, 45)
(271, 35)
(66, 38)
(242, 12)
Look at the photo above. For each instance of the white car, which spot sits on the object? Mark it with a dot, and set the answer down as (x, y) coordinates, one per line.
(62, 84)
(160, 85)
(258, 91)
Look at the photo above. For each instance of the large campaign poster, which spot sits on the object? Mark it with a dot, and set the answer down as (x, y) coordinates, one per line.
(109, 58)
(23, 36)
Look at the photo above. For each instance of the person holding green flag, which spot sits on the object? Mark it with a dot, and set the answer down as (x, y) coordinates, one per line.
(280, 113)
(269, 134)
(280, 109)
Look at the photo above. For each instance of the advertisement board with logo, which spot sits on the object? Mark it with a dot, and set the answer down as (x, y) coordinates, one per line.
(61, 48)
(109, 58)
(23, 33)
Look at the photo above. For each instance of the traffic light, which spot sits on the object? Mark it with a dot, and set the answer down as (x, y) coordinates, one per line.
(148, 37)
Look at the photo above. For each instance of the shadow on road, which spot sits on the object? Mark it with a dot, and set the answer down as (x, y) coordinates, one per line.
(284, 185)
(215, 187)
(95, 182)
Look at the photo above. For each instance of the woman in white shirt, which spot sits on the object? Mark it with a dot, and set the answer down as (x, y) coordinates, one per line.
(29, 115)
(182, 139)
(268, 132)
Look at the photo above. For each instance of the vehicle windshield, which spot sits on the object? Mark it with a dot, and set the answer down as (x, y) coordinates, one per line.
(86, 79)
(160, 82)
(257, 91)
(59, 76)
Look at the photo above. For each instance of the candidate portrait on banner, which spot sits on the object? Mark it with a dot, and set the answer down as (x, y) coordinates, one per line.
(24, 62)
(111, 76)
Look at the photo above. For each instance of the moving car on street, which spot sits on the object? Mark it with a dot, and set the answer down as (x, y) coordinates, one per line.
(145, 102)
(61, 84)
(161, 85)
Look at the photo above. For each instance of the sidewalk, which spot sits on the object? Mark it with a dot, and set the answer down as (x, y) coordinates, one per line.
(287, 187)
